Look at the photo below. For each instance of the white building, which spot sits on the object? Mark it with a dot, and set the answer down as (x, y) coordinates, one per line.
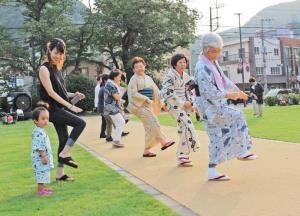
(253, 63)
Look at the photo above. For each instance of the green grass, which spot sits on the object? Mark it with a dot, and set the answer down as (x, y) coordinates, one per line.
(278, 123)
(98, 190)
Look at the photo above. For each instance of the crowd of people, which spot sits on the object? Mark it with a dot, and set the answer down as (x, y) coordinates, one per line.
(205, 93)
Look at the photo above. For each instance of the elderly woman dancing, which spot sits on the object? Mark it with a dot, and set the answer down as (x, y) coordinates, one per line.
(179, 103)
(226, 126)
(144, 102)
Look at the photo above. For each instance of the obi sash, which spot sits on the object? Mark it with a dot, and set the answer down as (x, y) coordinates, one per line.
(148, 92)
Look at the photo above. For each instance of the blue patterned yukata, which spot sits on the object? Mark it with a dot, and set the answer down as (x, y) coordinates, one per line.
(226, 127)
(40, 141)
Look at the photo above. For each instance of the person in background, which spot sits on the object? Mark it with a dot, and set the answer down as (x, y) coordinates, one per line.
(105, 131)
(112, 97)
(97, 102)
(257, 93)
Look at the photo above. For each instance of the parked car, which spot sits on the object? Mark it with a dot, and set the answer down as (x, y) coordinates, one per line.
(276, 92)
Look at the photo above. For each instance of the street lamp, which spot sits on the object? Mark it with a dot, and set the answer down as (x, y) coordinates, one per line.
(241, 53)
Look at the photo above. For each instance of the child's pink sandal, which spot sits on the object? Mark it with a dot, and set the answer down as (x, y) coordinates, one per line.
(45, 192)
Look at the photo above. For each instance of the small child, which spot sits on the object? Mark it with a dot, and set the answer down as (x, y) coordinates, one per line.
(42, 160)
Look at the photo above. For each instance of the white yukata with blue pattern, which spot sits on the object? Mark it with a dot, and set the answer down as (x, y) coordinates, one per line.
(226, 127)
(174, 93)
(40, 141)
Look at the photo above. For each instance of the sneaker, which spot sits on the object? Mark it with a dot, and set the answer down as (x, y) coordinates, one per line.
(109, 139)
(117, 144)
(102, 136)
(124, 134)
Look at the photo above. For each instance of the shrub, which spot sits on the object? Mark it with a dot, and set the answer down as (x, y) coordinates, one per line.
(294, 98)
(84, 85)
(271, 100)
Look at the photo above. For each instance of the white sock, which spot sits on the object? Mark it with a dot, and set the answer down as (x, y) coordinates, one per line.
(213, 173)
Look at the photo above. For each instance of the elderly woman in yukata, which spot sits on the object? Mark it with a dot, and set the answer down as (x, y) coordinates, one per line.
(226, 126)
(144, 102)
(179, 103)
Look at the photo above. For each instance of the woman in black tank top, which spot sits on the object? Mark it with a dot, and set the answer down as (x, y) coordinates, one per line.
(53, 92)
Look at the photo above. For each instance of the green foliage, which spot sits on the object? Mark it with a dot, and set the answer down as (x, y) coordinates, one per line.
(12, 55)
(149, 29)
(44, 20)
(271, 100)
(84, 85)
(294, 99)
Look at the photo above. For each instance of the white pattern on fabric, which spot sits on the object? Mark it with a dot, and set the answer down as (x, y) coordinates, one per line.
(174, 93)
(226, 127)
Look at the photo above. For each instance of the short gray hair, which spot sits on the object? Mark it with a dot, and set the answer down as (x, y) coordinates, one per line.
(211, 40)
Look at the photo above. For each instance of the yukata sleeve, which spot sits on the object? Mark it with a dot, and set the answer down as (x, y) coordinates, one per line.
(39, 141)
(168, 94)
(230, 86)
(204, 79)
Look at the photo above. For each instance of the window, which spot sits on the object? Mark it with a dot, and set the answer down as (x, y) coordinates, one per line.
(225, 56)
(275, 70)
(225, 72)
(242, 53)
(276, 52)
(256, 50)
(259, 70)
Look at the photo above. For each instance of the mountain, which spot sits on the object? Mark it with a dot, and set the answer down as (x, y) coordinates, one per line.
(281, 16)
(11, 17)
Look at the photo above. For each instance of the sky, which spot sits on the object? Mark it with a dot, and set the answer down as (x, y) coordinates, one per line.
(247, 8)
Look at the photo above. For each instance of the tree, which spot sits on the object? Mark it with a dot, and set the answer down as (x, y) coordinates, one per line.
(80, 38)
(12, 55)
(44, 20)
(149, 29)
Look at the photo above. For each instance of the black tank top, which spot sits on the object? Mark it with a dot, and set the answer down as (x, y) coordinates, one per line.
(58, 86)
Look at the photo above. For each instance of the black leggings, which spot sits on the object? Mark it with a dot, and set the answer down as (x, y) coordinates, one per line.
(103, 126)
(61, 119)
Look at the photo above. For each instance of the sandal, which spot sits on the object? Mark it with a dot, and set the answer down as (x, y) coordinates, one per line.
(167, 145)
(184, 162)
(220, 178)
(149, 154)
(65, 178)
(248, 157)
(68, 161)
(44, 192)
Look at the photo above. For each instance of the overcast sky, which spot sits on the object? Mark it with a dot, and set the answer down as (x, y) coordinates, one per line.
(247, 8)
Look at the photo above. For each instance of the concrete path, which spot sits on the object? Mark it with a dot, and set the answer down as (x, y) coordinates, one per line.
(269, 186)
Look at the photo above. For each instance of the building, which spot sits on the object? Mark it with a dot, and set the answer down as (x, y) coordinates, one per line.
(290, 57)
(253, 61)
(89, 67)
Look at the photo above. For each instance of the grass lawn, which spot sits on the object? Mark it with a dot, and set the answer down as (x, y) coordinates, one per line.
(278, 123)
(98, 190)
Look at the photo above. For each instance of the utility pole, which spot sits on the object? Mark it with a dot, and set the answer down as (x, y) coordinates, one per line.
(211, 18)
(241, 53)
(262, 37)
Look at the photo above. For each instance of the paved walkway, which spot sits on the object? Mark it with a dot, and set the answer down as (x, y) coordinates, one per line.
(268, 186)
